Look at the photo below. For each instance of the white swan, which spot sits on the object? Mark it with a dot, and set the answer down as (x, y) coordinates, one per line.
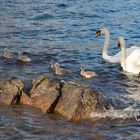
(130, 63)
(87, 74)
(23, 58)
(117, 57)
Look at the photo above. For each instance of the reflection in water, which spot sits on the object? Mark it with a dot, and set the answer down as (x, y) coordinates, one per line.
(64, 31)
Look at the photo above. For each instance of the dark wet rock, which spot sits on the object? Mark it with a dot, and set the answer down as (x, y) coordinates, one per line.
(45, 93)
(71, 100)
(74, 101)
(10, 91)
(77, 102)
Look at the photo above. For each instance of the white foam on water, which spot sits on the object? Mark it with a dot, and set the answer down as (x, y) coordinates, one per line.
(127, 113)
(135, 95)
(131, 111)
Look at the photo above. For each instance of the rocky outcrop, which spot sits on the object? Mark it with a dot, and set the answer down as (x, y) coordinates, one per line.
(79, 101)
(10, 91)
(74, 101)
(71, 100)
(44, 94)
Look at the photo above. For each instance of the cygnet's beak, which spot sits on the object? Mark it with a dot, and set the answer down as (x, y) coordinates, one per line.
(98, 33)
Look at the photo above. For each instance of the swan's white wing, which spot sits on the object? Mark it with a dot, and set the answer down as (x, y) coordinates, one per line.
(117, 57)
(133, 57)
(131, 49)
(133, 61)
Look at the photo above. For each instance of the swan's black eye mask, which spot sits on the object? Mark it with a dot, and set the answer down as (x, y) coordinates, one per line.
(98, 33)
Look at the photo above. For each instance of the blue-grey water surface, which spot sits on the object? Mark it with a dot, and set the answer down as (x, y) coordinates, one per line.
(64, 31)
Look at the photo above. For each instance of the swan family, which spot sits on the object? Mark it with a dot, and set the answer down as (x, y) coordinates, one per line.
(129, 58)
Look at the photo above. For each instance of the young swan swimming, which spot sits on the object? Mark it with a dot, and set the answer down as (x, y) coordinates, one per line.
(130, 63)
(60, 71)
(117, 57)
(23, 58)
(8, 54)
(87, 74)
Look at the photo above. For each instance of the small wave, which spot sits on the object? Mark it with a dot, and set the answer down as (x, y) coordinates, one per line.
(62, 5)
(43, 17)
(127, 113)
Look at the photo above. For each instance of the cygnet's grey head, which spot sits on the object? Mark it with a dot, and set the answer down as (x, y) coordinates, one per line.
(82, 68)
(6, 50)
(52, 62)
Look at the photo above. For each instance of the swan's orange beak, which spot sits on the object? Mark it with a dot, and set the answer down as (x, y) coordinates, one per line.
(98, 33)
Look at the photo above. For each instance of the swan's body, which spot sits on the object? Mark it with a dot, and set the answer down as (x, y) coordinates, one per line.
(130, 63)
(87, 74)
(8, 54)
(23, 58)
(60, 71)
(117, 57)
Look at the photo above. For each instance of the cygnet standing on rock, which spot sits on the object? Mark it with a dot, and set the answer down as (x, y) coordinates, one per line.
(23, 58)
(8, 54)
(87, 74)
(60, 71)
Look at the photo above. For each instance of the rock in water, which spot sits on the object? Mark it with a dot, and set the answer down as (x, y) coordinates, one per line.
(10, 91)
(45, 93)
(71, 100)
(26, 100)
(79, 101)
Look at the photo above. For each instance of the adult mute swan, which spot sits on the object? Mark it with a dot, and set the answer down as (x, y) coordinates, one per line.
(130, 63)
(117, 57)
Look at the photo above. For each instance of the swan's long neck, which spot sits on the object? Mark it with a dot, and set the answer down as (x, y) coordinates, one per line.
(123, 55)
(106, 44)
